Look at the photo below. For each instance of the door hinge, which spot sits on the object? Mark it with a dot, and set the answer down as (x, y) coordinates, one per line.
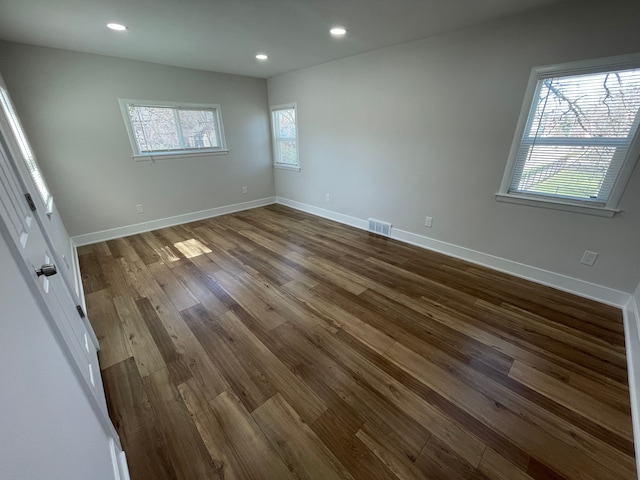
(30, 201)
(80, 311)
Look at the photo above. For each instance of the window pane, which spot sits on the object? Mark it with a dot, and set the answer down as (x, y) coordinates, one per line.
(588, 106)
(288, 152)
(198, 129)
(569, 171)
(285, 123)
(154, 128)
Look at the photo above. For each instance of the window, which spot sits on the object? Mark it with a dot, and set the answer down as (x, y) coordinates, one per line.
(285, 136)
(25, 149)
(577, 139)
(166, 128)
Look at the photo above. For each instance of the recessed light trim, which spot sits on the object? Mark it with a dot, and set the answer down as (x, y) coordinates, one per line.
(338, 31)
(262, 56)
(118, 27)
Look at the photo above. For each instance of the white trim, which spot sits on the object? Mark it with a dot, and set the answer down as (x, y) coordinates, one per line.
(75, 268)
(178, 154)
(49, 207)
(120, 232)
(118, 461)
(554, 205)
(551, 279)
(602, 64)
(538, 275)
(632, 343)
(123, 467)
(321, 212)
(284, 166)
(114, 458)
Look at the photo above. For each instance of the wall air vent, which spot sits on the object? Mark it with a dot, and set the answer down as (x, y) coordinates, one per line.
(379, 227)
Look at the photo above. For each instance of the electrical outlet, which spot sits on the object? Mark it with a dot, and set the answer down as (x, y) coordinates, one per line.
(428, 221)
(327, 198)
(244, 190)
(589, 258)
(139, 208)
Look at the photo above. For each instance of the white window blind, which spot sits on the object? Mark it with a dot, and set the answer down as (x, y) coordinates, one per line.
(578, 137)
(285, 135)
(25, 149)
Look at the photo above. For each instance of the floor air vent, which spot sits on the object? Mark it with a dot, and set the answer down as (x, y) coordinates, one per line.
(381, 228)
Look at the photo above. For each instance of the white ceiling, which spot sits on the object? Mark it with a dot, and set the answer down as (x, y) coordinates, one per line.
(225, 35)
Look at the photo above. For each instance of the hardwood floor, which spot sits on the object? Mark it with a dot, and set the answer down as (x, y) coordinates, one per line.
(271, 344)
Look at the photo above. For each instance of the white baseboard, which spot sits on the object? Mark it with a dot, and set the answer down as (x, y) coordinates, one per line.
(321, 212)
(551, 279)
(120, 232)
(578, 287)
(632, 344)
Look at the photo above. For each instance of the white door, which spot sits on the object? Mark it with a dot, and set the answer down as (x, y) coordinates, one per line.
(30, 241)
(50, 426)
(46, 214)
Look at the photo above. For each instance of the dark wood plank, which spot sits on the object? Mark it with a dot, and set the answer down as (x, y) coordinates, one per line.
(349, 449)
(148, 455)
(245, 378)
(188, 454)
(297, 444)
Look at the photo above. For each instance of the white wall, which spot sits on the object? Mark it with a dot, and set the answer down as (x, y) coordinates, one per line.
(68, 103)
(48, 428)
(425, 128)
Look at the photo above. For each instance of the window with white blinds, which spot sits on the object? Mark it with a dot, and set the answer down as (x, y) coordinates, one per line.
(579, 141)
(25, 149)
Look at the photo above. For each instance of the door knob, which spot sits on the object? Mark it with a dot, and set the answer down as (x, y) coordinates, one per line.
(47, 270)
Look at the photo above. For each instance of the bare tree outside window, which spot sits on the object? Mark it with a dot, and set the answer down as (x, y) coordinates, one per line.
(198, 129)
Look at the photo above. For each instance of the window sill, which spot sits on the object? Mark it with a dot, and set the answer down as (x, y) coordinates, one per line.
(281, 166)
(567, 207)
(168, 156)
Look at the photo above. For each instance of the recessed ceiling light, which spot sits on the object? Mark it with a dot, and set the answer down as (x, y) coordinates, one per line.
(261, 56)
(338, 31)
(116, 26)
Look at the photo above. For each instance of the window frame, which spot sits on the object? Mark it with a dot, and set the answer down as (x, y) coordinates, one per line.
(25, 150)
(610, 207)
(184, 153)
(275, 140)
